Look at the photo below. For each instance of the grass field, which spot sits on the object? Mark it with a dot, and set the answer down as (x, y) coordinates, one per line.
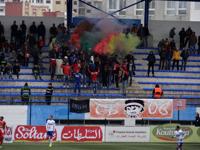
(99, 146)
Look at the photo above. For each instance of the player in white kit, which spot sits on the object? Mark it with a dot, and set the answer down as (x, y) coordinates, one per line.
(50, 128)
(179, 134)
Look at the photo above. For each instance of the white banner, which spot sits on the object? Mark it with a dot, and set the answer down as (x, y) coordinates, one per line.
(127, 134)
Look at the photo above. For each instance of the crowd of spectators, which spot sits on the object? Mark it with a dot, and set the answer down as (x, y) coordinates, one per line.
(171, 55)
(68, 63)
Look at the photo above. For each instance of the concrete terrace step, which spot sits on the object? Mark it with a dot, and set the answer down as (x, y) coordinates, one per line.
(64, 95)
(197, 91)
(169, 71)
(172, 86)
(168, 80)
(168, 77)
(168, 83)
(59, 88)
(168, 74)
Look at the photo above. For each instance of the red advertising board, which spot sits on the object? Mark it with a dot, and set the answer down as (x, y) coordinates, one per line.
(31, 133)
(82, 134)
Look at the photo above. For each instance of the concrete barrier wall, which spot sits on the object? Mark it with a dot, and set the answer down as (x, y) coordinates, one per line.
(7, 21)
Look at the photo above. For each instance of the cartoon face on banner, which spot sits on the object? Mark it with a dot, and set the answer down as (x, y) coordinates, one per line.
(134, 108)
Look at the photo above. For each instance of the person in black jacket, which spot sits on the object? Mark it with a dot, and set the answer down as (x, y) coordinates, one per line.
(151, 62)
(41, 30)
(16, 69)
(36, 72)
(49, 93)
(14, 29)
(23, 30)
(184, 55)
(182, 35)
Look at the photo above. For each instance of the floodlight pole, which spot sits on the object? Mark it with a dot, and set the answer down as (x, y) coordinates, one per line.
(146, 12)
(69, 7)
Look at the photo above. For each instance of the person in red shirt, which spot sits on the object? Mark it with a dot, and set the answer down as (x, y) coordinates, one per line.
(77, 66)
(2, 128)
(67, 73)
(93, 77)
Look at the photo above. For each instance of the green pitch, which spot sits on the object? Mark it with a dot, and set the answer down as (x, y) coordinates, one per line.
(99, 146)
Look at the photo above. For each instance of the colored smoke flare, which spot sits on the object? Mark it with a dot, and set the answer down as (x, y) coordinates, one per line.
(117, 43)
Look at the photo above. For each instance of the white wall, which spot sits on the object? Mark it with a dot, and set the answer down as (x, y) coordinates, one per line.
(14, 115)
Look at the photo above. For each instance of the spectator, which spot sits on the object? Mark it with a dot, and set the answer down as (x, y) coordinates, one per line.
(31, 41)
(1, 29)
(192, 43)
(172, 44)
(33, 29)
(162, 55)
(26, 55)
(23, 30)
(41, 44)
(182, 35)
(14, 29)
(67, 73)
(198, 45)
(131, 68)
(52, 67)
(49, 93)
(36, 72)
(157, 92)
(176, 57)
(93, 77)
(3, 67)
(184, 55)
(59, 70)
(116, 70)
(125, 74)
(172, 33)
(187, 37)
(197, 120)
(8, 71)
(151, 62)
(16, 69)
(53, 32)
(168, 59)
(25, 94)
(77, 82)
(41, 30)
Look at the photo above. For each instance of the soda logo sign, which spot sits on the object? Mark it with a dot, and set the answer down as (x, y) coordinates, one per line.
(167, 133)
(31, 133)
(82, 134)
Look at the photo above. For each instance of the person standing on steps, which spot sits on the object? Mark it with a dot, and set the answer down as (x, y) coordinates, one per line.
(151, 62)
(49, 93)
(25, 93)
